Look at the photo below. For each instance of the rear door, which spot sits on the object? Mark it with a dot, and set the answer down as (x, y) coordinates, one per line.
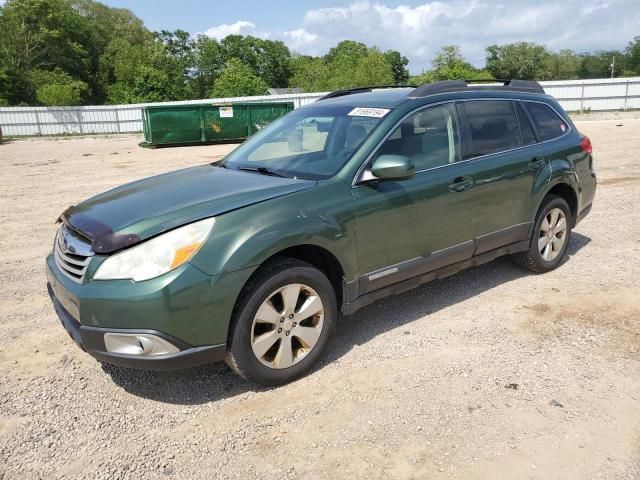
(499, 144)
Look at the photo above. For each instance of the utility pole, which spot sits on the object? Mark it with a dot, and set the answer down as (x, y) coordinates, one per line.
(613, 66)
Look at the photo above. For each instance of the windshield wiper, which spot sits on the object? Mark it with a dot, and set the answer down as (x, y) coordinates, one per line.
(263, 171)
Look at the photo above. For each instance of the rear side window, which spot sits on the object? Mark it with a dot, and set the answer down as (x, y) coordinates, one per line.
(547, 122)
(492, 127)
(528, 138)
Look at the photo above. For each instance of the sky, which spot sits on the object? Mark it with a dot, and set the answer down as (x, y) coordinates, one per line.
(418, 29)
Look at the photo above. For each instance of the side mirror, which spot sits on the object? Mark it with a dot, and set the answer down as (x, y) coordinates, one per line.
(393, 167)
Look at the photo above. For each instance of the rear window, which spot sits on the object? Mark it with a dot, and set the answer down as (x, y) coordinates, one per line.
(493, 127)
(547, 122)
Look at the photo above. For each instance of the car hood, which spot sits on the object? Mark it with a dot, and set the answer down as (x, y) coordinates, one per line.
(139, 210)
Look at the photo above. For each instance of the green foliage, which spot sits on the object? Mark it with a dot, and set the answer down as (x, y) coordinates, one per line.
(563, 65)
(138, 73)
(348, 64)
(598, 64)
(522, 60)
(309, 73)
(56, 88)
(268, 59)
(398, 64)
(449, 64)
(633, 57)
(373, 69)
(238, 80)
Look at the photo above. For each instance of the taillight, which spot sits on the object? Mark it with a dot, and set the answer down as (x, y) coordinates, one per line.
(585, 144)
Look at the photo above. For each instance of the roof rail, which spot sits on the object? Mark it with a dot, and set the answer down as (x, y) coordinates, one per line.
(351, 91)
(462, 85)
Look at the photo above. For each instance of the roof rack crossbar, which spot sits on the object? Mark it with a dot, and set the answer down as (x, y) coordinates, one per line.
(461, 85)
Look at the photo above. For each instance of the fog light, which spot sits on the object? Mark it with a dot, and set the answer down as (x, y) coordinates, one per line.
(138, 344)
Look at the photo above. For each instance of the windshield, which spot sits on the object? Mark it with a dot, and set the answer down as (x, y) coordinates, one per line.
(309, 143)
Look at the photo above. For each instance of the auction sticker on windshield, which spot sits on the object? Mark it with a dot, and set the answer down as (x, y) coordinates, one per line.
(369, 112)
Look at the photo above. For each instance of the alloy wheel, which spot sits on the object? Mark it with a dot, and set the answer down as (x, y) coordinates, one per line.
(553, 234)
(287, 326)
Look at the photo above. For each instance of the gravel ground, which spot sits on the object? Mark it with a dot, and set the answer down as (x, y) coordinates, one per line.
(492, 373)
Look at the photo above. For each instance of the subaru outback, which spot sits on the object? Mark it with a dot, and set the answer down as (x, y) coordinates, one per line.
(362, 194)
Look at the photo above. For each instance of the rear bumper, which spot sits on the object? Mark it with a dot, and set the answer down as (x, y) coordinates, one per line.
(91, 340)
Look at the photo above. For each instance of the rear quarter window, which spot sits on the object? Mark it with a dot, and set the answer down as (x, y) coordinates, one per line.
(492, 127)
(547, 122)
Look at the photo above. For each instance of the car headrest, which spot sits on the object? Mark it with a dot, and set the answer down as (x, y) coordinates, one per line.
(433, 118)
(355, 136)
(495, 128)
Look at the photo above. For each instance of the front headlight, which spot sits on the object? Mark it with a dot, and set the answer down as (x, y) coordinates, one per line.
(158, 255)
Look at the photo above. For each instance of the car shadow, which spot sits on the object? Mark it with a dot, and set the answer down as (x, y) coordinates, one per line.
(215, 382)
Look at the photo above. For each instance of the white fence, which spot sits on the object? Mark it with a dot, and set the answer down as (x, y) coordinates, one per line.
(573, 95)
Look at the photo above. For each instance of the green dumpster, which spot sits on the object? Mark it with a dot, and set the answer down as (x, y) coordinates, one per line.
(198, 124)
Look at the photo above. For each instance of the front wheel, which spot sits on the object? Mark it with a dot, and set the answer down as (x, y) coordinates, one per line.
(282, 324)
(550, 237)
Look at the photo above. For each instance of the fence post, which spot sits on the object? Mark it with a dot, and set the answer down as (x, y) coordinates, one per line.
(626, 96)
(582, 98)
(80, 121)
(117, 120)
(38, 122)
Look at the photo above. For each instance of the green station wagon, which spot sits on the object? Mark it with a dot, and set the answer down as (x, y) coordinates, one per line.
(362, 194)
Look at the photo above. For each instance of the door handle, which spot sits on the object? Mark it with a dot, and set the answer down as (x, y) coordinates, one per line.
(537, 163)
(460, 184)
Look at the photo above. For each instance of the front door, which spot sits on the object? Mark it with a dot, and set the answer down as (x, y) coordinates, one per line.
(409, 227)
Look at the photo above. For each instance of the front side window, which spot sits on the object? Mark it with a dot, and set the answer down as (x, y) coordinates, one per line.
(311, 142)
(492, 127)
(547, 122)
(429, 137)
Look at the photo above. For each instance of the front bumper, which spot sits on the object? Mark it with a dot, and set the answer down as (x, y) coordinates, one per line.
(186, 308)
(91, 340)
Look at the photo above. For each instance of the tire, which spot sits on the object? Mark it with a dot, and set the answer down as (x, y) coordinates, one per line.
(251, 333)
(537, 258)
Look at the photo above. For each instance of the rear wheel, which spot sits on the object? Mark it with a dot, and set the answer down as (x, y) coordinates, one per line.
(550, 237)
(283, 322)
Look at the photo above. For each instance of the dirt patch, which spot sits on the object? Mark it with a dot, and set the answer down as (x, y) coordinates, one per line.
(608, 319)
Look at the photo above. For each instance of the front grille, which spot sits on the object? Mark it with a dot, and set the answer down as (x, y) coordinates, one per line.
(67, 254)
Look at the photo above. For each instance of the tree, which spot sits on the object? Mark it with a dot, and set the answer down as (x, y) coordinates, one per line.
(68, 35)
(238, 80)
(140, 73)
(347, 50)
(311, 74)
(373, 69)
(56, 88)
(449, 64)
(353, 64)
(522, 60)
(43, 34)
(633, 56)
(207, 66)
(598, 64)
(398, 64)
(564, 65)
(268, 59)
